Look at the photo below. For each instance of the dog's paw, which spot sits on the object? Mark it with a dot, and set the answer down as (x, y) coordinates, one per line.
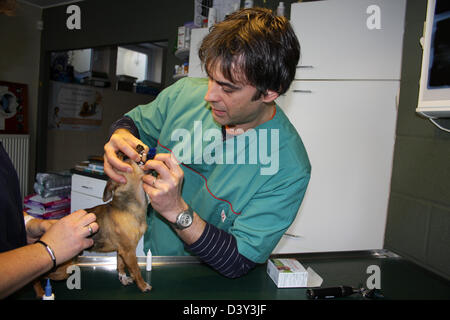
(124, 279)
(147, 287)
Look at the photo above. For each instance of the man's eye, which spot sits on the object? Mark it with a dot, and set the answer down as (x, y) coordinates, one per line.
(227, 90)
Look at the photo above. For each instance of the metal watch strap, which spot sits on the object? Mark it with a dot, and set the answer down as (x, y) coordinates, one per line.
(188, 212)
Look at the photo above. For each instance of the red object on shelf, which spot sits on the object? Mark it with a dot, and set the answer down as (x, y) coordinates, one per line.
(13, 108)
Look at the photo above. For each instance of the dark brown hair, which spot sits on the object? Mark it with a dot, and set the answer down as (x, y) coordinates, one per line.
(253, 46)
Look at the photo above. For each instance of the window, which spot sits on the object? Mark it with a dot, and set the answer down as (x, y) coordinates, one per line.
(143, 61)
(134, 67)
(132, 63)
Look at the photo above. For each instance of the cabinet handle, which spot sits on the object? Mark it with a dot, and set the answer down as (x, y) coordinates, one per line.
(89, 188)
(303, 91)
(305, 67)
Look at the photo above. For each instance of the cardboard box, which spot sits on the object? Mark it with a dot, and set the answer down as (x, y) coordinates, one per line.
(289, 273)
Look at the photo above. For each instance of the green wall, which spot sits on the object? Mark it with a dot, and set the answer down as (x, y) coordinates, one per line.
(418, 224)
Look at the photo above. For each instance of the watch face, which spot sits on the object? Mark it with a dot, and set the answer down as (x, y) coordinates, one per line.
(185, 220)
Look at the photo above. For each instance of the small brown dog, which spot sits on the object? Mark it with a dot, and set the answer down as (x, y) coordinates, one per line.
(122, 222)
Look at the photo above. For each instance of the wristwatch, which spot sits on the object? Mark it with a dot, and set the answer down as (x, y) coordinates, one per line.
(184, 219)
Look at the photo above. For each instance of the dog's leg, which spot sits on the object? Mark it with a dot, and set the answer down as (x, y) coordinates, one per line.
(129, 257)
(37, 286)
(123, 278)
(61, 272)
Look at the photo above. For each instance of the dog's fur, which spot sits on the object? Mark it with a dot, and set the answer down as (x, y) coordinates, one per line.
(122, 222)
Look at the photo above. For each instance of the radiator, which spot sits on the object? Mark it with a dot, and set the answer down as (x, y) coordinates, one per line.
(17, 147)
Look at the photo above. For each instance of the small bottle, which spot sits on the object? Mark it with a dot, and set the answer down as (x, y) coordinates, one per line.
(151, 154)
(280, 9)
(48, 292)
(248, 4)
(149, 261)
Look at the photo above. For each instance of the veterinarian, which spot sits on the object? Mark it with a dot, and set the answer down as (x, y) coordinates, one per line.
(21, 258)
(215, 195)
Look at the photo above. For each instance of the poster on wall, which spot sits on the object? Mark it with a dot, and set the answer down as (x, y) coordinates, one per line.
(13, 108)
(74, 107)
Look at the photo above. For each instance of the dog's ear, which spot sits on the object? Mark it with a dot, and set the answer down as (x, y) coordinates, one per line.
(111, 185)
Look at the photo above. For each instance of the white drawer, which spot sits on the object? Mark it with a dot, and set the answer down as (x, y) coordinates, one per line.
(87, 185)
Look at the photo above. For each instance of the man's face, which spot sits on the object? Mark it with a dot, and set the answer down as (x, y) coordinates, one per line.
(232, 104)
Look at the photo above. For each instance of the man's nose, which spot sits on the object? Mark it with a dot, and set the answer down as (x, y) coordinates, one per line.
(212, 93)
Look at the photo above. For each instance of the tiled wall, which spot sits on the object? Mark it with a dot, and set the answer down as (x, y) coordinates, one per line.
(418, 224)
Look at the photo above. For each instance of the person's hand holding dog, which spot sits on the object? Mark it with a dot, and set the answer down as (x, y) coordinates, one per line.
(35, 228)
(70, 235)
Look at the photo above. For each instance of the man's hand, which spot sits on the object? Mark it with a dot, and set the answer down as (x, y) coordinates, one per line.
(165, 190)
(121, 140)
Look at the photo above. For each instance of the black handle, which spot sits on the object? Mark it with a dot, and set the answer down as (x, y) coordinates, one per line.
(330, 293)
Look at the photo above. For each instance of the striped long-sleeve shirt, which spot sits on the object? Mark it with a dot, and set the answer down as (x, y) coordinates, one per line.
(219, 249)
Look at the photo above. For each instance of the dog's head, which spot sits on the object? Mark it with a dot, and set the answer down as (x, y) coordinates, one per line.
(133, 186)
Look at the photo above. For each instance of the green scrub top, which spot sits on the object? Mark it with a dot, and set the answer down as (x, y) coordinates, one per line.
(250, 185)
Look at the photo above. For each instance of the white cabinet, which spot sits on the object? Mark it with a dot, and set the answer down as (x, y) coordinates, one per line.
(344, 106)
(87, 192)
(348, 128)
(195, 69)
(348, 39)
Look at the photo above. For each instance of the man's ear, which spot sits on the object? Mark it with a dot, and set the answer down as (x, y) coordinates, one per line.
(270, 96)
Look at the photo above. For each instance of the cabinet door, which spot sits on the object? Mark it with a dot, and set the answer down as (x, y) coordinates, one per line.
(83, 201)
(348, 129)
(87, 192)
(349, 39)
(195, 67)
(87, 185)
